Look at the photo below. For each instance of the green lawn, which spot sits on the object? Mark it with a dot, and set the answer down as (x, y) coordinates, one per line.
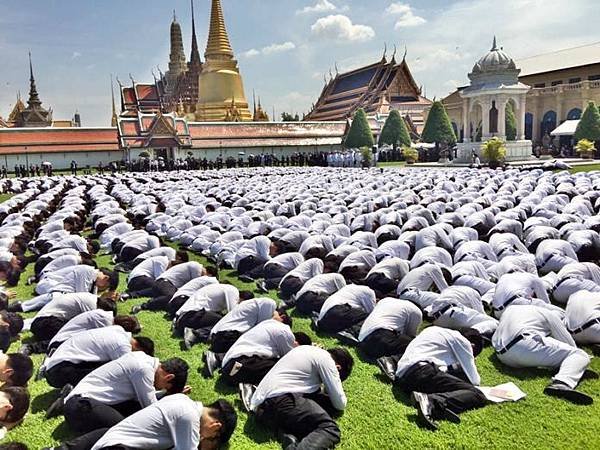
(377, 417)
(585, 168)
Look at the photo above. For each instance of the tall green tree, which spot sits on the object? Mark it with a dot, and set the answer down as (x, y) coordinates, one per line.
(511, 122)
(395, 131)
(360, 134)
(589, 125)
(438, 128)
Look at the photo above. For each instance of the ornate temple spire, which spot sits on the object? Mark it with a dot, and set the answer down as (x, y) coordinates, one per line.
(218, 46)
(177, 63)
(494, 45)
(195, 60)
(34, 98)
(113, 120)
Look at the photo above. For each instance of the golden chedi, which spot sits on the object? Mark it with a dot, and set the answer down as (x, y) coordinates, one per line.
(221, 90)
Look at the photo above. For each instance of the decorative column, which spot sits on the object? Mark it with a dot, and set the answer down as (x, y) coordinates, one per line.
(521, 119)
(465, 121)
(501, 106)
(486, 105)
(559, 106)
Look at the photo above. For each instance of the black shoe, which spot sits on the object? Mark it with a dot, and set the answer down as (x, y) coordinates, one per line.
(136, 309)
(124, 297)
(596, 349)
(261, 286)
(26, 350)
(189, 338)
(211, 362)
(246, 393)
(387, 365)
(246, 278)
(561, 390)
(288, 441)
(590, 374)
(347, 338)
(30, 281)
(450, 416)
(15, 307)
(56, 408)
(424, 410)
(314, 321)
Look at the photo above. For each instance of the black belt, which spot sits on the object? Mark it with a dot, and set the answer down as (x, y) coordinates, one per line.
(404, 291)
(547, 260)
(559, 283)
(506, 303)
(455, 279)
(512, 343)
(585, 326)
(439, 313)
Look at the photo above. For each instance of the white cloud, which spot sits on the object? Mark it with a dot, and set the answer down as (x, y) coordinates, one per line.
(320, 7)
(279, 48)
(75, 55)
(269, 50)
(406, 16)
(340, 28)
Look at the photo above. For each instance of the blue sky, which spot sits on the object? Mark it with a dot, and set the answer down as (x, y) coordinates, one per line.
(284, 47)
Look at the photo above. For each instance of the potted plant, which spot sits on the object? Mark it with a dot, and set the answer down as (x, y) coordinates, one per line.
(585, 148)
(494, 151)
(411, 155)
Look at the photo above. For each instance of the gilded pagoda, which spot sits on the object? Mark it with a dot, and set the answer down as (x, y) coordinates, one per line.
(212, 91)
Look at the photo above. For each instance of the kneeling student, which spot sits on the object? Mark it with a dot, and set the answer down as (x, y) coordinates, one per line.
(257, 351)
(289, 397)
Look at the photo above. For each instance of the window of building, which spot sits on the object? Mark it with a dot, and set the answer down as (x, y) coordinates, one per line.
(539, 85)
(594, 77)
(557, 83)
(574, 80)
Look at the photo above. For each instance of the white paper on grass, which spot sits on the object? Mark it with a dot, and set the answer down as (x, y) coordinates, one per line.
(507, 392)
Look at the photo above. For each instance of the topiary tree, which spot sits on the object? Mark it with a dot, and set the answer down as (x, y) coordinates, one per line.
(360, 134)
(394, 131)
(589, 125)
(511, 122)
(438, 129)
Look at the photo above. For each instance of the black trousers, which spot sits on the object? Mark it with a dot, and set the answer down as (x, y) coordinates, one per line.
(70, 373)
(129, 254)
(384, 343)
(304, 418)
(87, 441)
(251, 266)
(342, 317)
(45, 328)
(222, 341)
(310, 302)
(39, 265)
(142, 286)
(84, 414)
(445, 390)
(250, 369)
(162, 292)
(175, 303)
(197, 319)
(290, 286)
(273, 275)
(379, 282)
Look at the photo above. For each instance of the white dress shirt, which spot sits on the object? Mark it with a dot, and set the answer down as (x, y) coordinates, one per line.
(392, 314)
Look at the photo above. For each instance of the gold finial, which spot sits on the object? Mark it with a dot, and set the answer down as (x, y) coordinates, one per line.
(218, 46)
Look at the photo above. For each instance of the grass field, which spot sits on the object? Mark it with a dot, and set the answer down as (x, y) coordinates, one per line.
(377, 417)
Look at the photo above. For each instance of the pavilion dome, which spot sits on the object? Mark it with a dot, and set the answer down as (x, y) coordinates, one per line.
(496, 60)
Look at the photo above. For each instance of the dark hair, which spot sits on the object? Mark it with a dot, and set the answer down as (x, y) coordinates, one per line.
(223, 411)
(145, 344)
(342, 358)
(5, 267)
(474, 337)
(22, 367)
(106, 304)
(285, 317)
(19, 399)
(179, 368)
(13, 446)
(14, 320)
(246, 295)
(182, 256)
(88, 261)
(128, 323)
(212, 271)
(302, 338)
(113, 278)
(95, 246)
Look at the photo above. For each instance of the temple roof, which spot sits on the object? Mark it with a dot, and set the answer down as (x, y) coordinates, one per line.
(561, 59)
(369, 87)
(218, 46)
(44, 140)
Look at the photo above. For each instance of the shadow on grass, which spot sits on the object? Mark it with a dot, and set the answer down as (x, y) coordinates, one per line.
(223, 388)
(62, 432)
(254, 430)
(43, 401)
(528, 373)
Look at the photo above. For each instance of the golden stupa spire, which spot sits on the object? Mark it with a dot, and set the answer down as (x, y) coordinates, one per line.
(218, 46)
